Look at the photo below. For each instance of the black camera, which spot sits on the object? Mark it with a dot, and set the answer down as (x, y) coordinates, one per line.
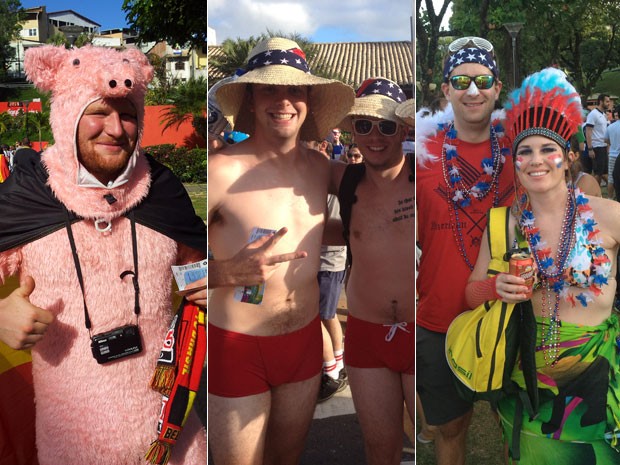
(117, 343)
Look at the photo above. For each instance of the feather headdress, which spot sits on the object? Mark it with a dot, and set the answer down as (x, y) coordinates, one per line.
(546, 105)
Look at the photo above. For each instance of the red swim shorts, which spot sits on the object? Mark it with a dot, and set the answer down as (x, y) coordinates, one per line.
(372, 345)
(243, 365)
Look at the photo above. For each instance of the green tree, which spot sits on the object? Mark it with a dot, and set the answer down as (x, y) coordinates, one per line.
(234, 54)
(163, 82)
(428, 51)
(10, 16)
(6, 122)
(580, 37)
(57, 38)
(83, 39)
(61, 39)
(189, 103)
(170, 20)
(39, 122)
(584, 41)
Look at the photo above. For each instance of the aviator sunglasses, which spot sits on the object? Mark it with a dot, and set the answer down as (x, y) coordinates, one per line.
(363, 127)
(462, 81)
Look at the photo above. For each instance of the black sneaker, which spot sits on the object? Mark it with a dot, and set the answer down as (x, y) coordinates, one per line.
(329, 387)
(342, 374)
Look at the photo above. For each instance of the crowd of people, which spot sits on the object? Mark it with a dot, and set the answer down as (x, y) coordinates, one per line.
(311, 192)
(7, 160)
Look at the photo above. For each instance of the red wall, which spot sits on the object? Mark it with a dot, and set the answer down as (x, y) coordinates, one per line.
(154, 133)
(37, 147)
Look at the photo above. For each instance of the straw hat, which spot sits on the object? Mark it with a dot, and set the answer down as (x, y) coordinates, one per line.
(405, 111)
(377, 97)
(281, 62)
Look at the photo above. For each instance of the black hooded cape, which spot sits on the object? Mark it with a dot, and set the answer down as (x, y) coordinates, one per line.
(29, 210)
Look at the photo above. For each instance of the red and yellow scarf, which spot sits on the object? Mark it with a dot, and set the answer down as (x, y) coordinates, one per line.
(177, 377)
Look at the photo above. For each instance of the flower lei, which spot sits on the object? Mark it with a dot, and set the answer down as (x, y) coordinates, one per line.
(578, 220)
(459, 194)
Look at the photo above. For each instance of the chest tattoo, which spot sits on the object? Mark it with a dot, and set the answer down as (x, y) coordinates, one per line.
(404, 210)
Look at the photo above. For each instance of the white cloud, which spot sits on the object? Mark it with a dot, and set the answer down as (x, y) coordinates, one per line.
(252, 18)
(319, 20)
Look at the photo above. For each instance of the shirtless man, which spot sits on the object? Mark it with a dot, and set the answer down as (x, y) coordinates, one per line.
(265, 359)
(380, 293)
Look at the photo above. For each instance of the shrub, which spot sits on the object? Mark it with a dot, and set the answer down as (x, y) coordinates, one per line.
(189, 165)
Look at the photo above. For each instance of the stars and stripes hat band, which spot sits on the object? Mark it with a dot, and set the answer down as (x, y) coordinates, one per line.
(294, 57)
(470, 55)
(376, 97)
(281, 62)
(383, 87)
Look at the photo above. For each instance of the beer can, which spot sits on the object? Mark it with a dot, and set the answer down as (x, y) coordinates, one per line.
(522, 264)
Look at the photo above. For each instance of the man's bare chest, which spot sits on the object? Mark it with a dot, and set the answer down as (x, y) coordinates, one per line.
(383, 217)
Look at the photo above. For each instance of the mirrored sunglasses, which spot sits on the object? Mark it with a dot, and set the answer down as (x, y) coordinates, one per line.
(462, 81)
(363, 127)
(479, 42)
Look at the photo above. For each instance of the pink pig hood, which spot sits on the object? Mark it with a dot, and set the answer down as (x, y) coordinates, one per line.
(76, 78)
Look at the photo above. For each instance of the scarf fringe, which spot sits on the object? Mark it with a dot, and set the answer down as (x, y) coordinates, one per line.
(163, 379)
(178, 383)
(158, 453)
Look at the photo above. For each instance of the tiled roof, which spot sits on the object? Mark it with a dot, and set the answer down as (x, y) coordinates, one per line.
(355, 61)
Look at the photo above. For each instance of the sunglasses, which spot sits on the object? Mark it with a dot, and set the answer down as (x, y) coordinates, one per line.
(462, 81)
(364, 127)
(479, 42)
(354, 155)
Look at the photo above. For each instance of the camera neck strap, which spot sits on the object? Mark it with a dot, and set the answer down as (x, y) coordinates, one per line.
(134, 273)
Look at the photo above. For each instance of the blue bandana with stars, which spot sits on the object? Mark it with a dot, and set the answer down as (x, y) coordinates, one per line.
(294, 57)
(383, 87)
(470, 55)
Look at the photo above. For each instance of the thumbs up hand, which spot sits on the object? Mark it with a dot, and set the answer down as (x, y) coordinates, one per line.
(22, 324)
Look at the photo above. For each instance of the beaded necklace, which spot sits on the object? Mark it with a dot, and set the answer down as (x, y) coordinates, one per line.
(459, 194)
(551, 271)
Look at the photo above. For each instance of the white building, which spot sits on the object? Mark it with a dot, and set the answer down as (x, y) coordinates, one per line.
(39, 26)
(182, 63)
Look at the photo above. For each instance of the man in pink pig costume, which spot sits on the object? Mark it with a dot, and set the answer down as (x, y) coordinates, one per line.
(129, 220)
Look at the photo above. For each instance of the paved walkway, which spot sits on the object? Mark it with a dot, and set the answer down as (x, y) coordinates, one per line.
(335, 436)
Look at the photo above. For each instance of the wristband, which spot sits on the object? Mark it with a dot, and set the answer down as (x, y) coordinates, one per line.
(478, 292)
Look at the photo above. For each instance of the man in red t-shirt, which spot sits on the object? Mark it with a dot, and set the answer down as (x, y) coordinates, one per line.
(464, 168)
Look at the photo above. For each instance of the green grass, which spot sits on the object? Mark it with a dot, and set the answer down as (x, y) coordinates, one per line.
(198, 194)
(484, 441)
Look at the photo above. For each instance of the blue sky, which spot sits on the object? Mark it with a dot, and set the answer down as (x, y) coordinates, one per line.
(318, 20)
(108, 13)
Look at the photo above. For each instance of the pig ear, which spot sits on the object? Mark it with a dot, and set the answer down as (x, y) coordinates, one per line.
(41, 65)
(135, 55)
